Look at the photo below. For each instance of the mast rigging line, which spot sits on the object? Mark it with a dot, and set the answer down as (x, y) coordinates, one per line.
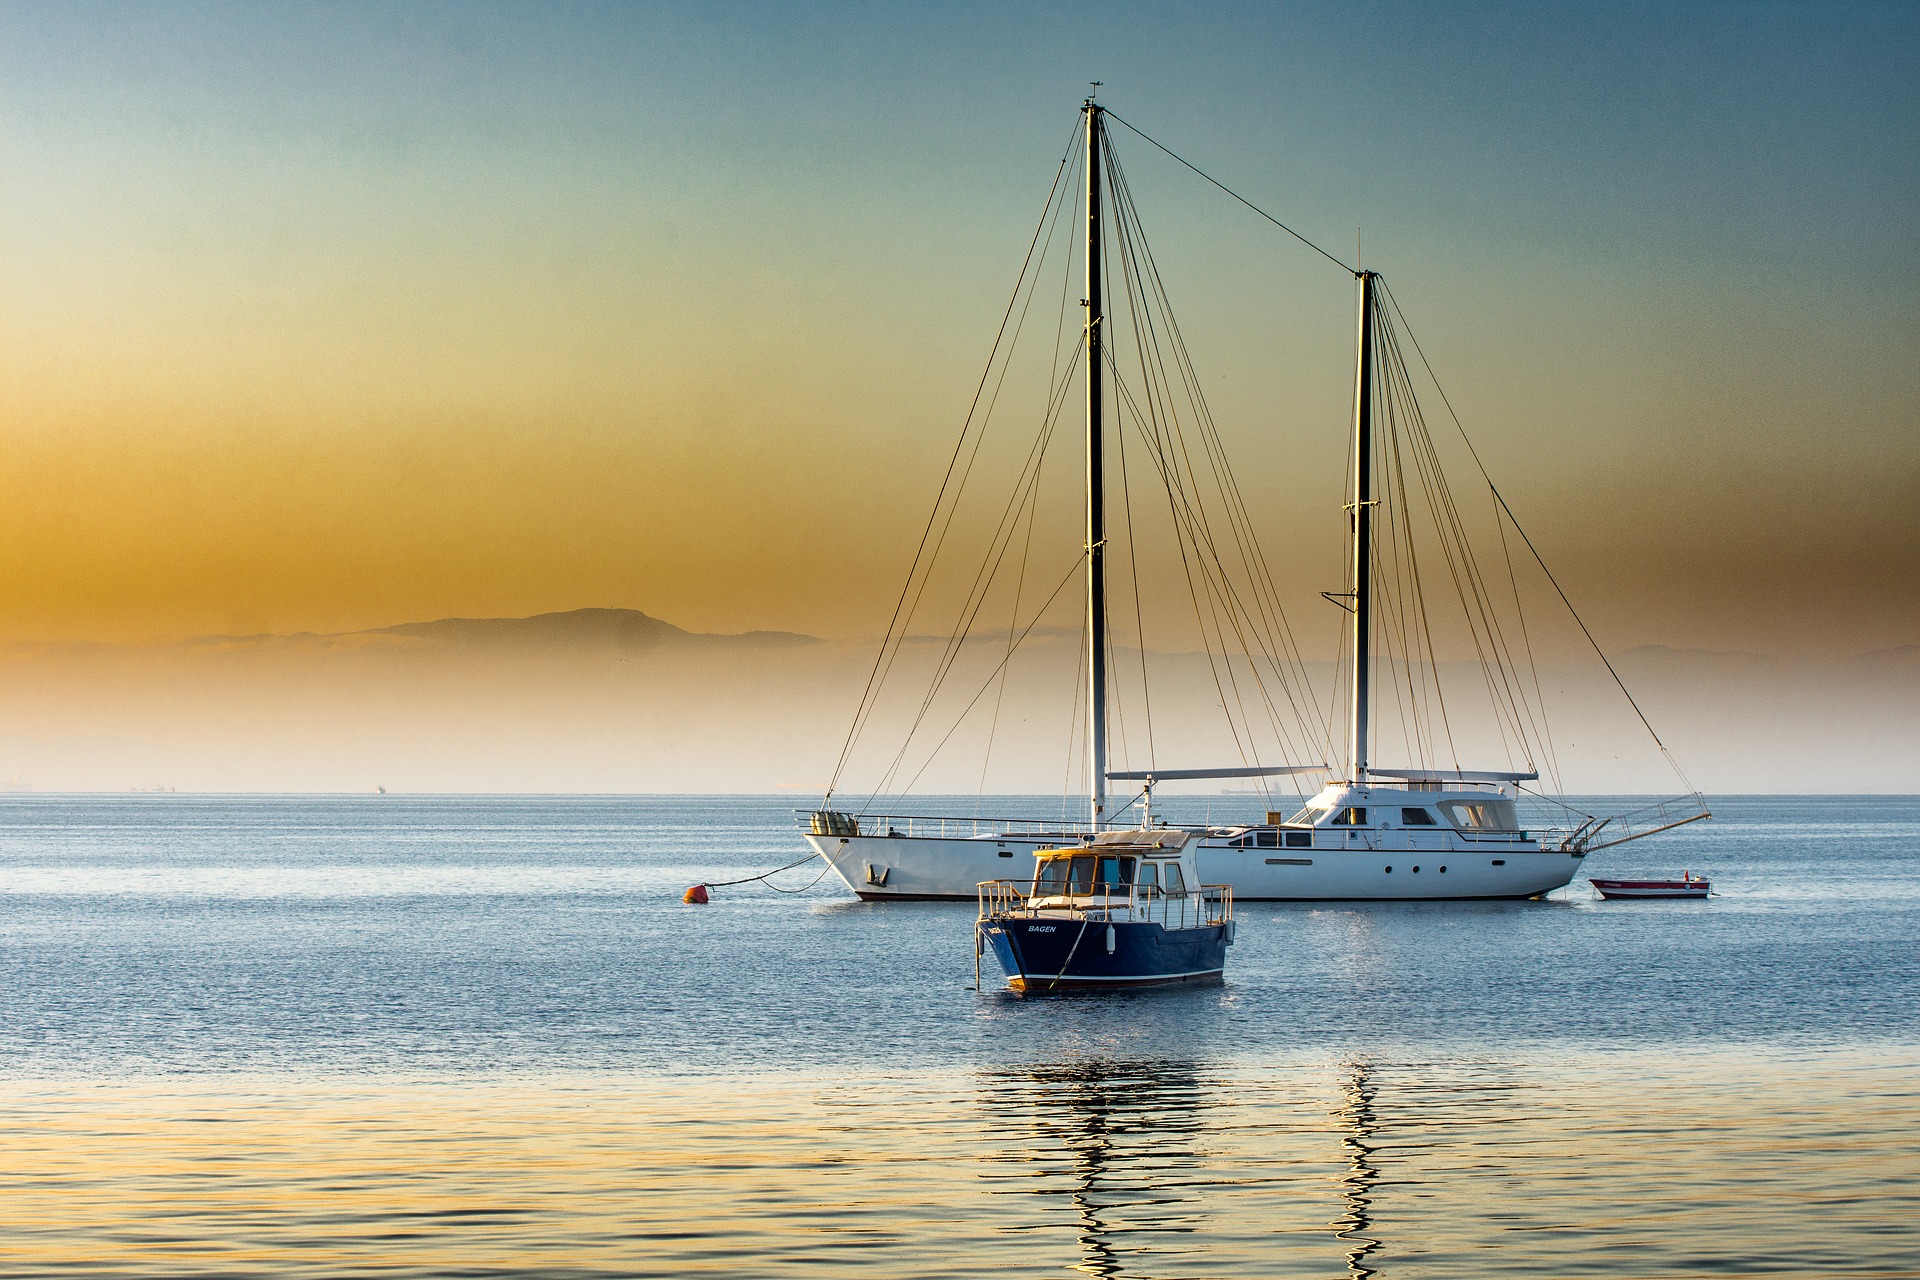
(1189, 531)
(1168, 376)
(991, 677)
(1239, 519)
(866, 695)
(999, 546)
(1215, 548)
(1054, 379)
(1024, 496)
(1498, 667)
(1161, 425)
(1236, 195)
(1013, 621)
(984, 575)
(1537, 557)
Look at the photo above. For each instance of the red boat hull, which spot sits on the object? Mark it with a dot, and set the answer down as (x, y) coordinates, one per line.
(1688, 888)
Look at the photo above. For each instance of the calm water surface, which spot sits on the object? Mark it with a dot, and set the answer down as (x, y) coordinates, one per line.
(403, 1036)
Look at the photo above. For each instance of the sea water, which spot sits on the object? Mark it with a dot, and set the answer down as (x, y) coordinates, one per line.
(407, 1036)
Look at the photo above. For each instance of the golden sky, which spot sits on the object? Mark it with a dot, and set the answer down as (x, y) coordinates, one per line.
(327, 317)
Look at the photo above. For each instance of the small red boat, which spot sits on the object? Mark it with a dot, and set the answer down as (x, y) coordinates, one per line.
(1688, 886)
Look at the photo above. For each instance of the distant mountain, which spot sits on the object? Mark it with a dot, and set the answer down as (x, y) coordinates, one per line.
(624, 630)
(619, 628)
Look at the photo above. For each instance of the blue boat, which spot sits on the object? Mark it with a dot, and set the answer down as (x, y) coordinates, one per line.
(1122, 909)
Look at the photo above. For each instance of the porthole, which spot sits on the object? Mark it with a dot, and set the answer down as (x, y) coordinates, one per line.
(1389, 870)
(1443, 871)
(1499, 862)
(1006, 853)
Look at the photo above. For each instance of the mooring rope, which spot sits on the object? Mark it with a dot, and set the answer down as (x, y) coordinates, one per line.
(723, 884)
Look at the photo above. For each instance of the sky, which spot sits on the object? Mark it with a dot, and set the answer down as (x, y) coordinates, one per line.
(333, 316)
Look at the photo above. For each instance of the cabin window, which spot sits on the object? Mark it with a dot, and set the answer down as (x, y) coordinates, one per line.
(1149, 880)
(1481, 815)
(1299, 839)
(1068, 875)
(1176, 884)
(1350, 818)
(1241, 842)
(1416, 818)
(1309, 816)
(1115, 871)
(1267, 839)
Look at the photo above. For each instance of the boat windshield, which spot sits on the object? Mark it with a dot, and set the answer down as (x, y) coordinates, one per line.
(1082, 873)
(1306, 817)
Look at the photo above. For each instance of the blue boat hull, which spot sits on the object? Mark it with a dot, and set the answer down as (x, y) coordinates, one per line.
(1041, 954)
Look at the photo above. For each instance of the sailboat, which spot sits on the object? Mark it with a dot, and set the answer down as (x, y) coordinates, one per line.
(1370, 833)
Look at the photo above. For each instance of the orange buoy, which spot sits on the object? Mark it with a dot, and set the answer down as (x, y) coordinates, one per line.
(696, 894)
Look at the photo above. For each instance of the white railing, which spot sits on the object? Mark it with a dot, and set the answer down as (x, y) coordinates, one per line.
(1210, 904)
(1663, 815)
(831, 822)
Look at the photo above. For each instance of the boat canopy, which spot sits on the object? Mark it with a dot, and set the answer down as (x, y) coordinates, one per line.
(1159, 840)
(1180, 775)
(1453, 775)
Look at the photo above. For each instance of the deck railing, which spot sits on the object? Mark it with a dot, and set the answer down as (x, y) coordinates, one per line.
(832, 822)
(1210, 904)
(1663, 815)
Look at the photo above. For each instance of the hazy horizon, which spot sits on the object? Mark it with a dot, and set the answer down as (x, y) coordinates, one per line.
(620, 702)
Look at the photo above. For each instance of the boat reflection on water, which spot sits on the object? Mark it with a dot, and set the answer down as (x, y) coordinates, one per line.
(1115, 1143)
(1357, 1120)
(1154, 1164)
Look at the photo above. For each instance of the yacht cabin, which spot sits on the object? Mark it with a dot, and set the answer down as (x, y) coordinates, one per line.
(1376, 815)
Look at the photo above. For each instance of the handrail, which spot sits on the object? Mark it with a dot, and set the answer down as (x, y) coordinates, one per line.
(1205, 905)
(832, 822)
(829, 822)
(1637, 824)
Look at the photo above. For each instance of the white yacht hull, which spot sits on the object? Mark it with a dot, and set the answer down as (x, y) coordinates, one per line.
(1363, 866)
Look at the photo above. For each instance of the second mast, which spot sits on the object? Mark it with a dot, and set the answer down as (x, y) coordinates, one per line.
(1362, 532)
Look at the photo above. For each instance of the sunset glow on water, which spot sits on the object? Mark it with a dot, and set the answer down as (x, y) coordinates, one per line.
(316, 1036)
(1722, 1164)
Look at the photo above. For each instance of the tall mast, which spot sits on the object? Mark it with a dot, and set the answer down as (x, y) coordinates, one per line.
(1362, 509)
(1096, 516)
